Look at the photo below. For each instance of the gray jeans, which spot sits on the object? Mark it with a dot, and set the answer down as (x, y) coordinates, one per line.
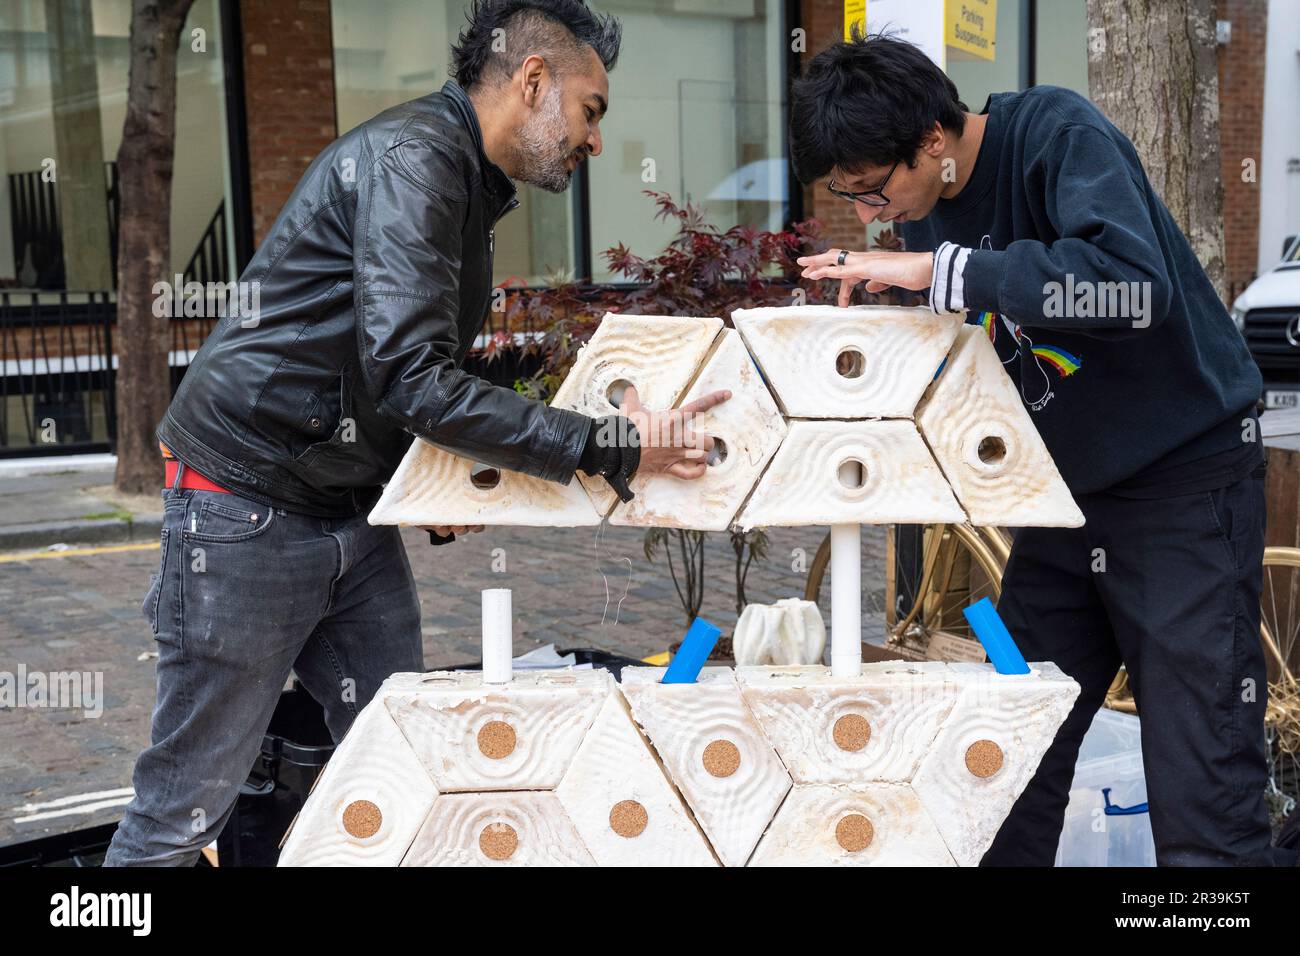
(245, 594)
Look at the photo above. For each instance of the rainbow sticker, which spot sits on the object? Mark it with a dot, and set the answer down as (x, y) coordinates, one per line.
(1061, 360)
(990, 327)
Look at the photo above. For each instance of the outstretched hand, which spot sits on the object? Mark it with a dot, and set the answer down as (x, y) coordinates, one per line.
(669, 442)
(880, 270)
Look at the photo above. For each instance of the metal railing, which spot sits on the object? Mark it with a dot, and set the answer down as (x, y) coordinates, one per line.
(56, 373)
(35, 227)
(210, 262)
(58, 365)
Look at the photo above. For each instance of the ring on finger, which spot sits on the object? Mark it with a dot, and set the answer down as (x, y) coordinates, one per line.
(844, 254)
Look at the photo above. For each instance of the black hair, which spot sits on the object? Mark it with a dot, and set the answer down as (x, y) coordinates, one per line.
(501, 34)
(868, 101)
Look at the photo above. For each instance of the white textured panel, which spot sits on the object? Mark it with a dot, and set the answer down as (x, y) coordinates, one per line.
(659, 354)
(542, 832)
(689, 723)
(433, 487)
(805, 830)
(445, 717)
(983, 438)
(1017, 714)
(804, 709)
(893, 354)
(372, 765)
(804, 485)
(750, 426)
(615, 766)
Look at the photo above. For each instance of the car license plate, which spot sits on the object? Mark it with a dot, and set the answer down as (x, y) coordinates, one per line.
(1282, 399)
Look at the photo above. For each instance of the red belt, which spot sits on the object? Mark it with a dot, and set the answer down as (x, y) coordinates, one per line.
(191, 479)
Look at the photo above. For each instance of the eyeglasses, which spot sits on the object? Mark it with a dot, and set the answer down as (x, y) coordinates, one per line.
(872, 197)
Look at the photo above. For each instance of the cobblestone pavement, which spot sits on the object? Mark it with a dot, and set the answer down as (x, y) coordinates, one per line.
(80, 612)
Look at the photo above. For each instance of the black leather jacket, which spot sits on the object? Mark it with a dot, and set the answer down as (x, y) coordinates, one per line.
(373, 283)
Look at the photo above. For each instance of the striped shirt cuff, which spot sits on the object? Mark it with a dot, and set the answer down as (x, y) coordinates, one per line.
(946, 286)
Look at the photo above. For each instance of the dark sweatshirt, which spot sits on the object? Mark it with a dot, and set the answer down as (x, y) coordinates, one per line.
(1129, 363)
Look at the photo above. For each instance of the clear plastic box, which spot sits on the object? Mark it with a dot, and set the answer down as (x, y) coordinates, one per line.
(1110, 756)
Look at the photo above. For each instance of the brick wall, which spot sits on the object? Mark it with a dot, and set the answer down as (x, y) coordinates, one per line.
(1241, 123)
(824, 21)
(289, 90)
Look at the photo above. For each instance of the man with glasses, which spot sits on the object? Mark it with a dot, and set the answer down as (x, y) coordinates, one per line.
(1036, 216)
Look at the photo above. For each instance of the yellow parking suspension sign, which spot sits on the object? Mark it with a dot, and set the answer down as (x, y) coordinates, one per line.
(944, 29)
(970, 26)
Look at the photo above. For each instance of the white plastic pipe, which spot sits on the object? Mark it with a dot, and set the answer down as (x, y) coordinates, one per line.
(846, 600)
(498, 645)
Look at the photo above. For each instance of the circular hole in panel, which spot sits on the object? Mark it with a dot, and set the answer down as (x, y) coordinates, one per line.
(719, 453)
(992, 450)
(615, 391)
(484, 477)
(852, 474)
(850, 363)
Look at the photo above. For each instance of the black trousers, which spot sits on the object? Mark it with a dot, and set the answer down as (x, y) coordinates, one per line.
(1171, 588)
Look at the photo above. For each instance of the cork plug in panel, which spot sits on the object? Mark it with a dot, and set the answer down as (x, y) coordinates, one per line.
(621, 801)
(987, 750)
(658, 354)
(875, 727)
(717, 755)
(523, 828)
(861, 362)
(864, 825)
(907, 764)
(368, 803)
(518, 736)
(747, 429)
(434, 487)
(975, 422)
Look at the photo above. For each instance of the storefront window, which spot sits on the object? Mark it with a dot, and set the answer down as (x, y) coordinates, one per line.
(695, 110)
(64, 66)
(386, 54)
(1061, 44)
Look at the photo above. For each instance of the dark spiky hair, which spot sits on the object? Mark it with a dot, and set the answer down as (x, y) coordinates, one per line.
(501, 34)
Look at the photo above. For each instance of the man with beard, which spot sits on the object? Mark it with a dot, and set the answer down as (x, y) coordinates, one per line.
(373, 283)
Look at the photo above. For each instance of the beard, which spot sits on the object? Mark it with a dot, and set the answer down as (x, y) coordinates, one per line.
(542, 147)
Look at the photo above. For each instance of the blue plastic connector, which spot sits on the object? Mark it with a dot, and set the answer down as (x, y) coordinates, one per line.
(696, 647)
(993, 634)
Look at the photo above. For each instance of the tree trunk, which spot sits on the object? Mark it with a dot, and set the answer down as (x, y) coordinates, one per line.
(1153, 70)
(78, 146)
(144, 239)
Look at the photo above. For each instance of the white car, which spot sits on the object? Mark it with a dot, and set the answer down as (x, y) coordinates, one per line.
(1268, 315)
